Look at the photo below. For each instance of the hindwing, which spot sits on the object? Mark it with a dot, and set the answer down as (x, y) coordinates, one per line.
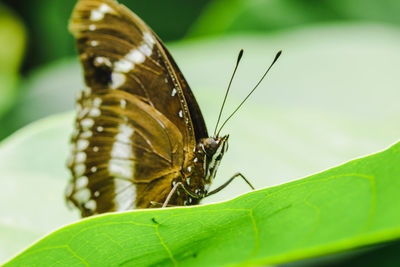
(134, 122)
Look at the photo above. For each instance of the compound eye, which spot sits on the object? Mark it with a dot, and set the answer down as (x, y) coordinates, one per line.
(210, 142)
(210, 145)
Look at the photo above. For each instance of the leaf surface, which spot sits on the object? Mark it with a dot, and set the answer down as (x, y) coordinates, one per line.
(352, 205)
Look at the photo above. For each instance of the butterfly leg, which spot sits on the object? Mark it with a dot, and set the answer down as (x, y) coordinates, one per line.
(173, 190)
(158, 204)
(228, 182)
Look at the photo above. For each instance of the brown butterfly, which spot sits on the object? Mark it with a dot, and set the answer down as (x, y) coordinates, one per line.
(140, 138)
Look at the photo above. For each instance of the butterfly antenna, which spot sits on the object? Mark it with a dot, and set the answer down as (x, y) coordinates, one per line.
(255, 87)
(227, 90)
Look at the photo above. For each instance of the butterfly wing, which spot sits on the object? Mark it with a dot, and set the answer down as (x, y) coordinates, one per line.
(199, 126)
(134, 123)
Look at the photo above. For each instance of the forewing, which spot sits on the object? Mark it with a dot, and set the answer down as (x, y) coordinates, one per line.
(133, 124)
(199, 126)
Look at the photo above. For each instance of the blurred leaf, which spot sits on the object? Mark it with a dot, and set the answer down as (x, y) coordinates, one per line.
(32, 183)
(349, 206)
(24, 146)
(48, 90)
(12, 40)
(227, 16)
(47, 21)
(325, 102)
(169, 19)
(12, 37)
(386, 255)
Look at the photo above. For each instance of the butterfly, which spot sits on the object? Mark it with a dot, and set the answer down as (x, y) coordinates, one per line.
(140, 139)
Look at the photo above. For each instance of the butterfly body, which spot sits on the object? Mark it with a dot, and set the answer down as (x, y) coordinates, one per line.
(139, 130)
(196, 176)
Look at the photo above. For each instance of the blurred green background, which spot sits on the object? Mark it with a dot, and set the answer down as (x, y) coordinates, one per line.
(34, 35)
(332, 97)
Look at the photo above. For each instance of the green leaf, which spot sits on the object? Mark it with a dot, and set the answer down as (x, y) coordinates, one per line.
(49, 135)
(12, 40)
(228, 16)
(48, 90)
(355, 204)
(32, 183)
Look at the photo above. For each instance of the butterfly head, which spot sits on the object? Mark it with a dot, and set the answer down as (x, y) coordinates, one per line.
(213, 149)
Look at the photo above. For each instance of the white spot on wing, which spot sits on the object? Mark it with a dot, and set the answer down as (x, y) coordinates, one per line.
(86, 134)
(87, 123)
(145, 49)
(148, 38)
(121, 147)
(91, 205)
(121, 150)
(123, 103)
(98, 14)
(94, 43)
(135, 56)
(121, 168)
(105, 8)
(97, 102)
(79, 169)
(125, 194)
(117, 79)
(92, 27)
(98, 61)
(180, 114)
(82, 144)
(80, 157)
(82, 195)
(173, 93)
(94, 112)
(123, 65)
(125, 133)
(81, 182)
(100, 129)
